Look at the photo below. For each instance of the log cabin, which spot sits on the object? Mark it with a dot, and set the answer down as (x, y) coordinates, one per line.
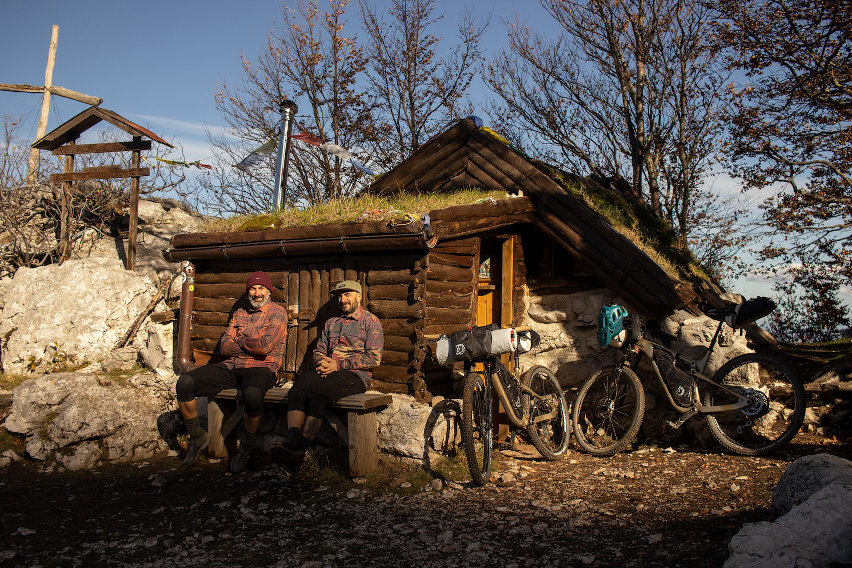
(445, 269)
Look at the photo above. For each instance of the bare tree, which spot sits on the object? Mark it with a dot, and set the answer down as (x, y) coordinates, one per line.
(417, 92)
(629, 89)
(308, 59)
(792, 125)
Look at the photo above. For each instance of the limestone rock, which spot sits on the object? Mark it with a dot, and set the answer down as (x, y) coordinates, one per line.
(67, 410)
(816, 533)
(81, 456)
(69, 313)
(806, 476)
(408, 428)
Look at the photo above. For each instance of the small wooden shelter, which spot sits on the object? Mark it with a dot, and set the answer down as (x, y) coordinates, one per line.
(61, 141)
(454, 267)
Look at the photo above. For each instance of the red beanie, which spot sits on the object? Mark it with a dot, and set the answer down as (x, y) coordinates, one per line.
(259, 277)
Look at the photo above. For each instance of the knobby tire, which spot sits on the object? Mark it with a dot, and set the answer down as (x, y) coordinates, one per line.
(476, 427)
(608, 410)
(550, 437)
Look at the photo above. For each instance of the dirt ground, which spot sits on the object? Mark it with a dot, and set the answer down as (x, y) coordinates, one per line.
(649, 507)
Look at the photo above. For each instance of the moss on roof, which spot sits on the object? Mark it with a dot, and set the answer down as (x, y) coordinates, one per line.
(365, 207)
(634, 219)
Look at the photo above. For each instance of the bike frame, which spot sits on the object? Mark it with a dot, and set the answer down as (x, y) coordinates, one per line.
(490, 365)
(646, 347)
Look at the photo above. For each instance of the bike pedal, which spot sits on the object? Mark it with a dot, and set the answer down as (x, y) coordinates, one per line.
(683, 418)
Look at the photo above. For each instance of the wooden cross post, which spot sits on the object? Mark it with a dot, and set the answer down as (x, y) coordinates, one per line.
(46, 90)
(134, 206)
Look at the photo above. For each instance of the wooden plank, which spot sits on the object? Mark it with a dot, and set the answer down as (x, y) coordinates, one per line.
(452, 301)
(391, 291)
(507, 284)
(304, 309)
(448, 273)
(101, 173)
(441, 287)
(363, 443)
(448, 316)
(290, 358)
(462, 260)
(398, 343)
(393, 373)
(396, 309)
(384, 277)
(210, 318)
(445, 229)
(103, 147)
(208, 331)
(386, 387)
(401, 358)
(401, 326)
(467, 212)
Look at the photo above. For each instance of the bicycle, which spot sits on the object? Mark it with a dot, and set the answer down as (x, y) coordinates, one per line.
(534, 402)
(754, 404)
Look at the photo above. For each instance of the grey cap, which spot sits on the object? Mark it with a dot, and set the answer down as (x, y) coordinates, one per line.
(346, 286)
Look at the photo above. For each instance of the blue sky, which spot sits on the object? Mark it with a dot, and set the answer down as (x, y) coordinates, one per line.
(159, 63)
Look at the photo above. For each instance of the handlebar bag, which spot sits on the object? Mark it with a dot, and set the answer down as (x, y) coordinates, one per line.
(473, 343)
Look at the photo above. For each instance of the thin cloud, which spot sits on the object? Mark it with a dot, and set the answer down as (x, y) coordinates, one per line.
(186, 127)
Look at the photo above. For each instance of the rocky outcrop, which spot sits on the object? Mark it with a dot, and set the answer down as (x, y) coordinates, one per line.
(70, 313)
(414, 430)
(568, 323)
(80, 419)
(814, 497)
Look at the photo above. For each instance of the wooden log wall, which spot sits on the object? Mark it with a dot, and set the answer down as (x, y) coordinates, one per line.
(450, 293)
(393, 291)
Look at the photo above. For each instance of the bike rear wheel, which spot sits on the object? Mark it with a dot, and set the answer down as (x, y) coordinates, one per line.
(608, 410)
(775, 409)
(476, 427)
(548, 427)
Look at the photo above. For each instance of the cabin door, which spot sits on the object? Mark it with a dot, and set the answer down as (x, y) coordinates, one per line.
(494, 300)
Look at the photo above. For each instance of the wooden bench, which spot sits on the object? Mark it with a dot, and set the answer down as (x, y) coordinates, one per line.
(359, 434)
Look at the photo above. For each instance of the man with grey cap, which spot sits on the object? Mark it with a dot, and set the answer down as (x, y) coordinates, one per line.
(349, 347)
(254, 347)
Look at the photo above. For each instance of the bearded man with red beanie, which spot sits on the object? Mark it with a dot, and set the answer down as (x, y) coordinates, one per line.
(254, 346)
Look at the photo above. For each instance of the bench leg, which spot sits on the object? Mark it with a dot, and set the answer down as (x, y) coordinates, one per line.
(363, 443)
(222, 416)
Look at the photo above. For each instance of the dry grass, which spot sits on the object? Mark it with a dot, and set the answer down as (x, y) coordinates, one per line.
(8, 381)
(396, 208)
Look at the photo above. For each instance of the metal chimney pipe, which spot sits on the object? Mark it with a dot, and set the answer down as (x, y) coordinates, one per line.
(187, 297)
(288, 110)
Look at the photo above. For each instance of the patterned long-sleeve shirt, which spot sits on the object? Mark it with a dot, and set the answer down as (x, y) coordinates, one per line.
(355, 341)
(256, 338)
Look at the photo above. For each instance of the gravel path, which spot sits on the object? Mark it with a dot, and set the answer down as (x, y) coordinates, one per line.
(650, 507)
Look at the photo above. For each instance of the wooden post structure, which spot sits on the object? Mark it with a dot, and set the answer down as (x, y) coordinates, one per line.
(134, 206)
(46, 90)
(32, 165)
(66, 214)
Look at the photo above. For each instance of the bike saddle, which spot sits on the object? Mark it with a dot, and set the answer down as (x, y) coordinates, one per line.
(738, 315)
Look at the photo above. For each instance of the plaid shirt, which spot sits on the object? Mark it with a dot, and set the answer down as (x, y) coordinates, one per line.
(255, 338)
(355, 341)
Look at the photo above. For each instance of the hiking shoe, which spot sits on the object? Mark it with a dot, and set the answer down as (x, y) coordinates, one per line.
(194, 448)
(239, 462)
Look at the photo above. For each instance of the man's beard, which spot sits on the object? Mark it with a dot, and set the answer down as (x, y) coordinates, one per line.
(259, 303)
(347, 309)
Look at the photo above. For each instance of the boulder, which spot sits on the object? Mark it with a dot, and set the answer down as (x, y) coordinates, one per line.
(815, 529)
(411, 429)
(77, 418)
(59, 315)
(806, 476)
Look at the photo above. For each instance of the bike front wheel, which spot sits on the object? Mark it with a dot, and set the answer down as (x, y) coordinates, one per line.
(548, 427)
(608, 410)
(477, 431)
(774, 409)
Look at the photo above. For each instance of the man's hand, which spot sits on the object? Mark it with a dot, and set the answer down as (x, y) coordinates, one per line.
(326, 365)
